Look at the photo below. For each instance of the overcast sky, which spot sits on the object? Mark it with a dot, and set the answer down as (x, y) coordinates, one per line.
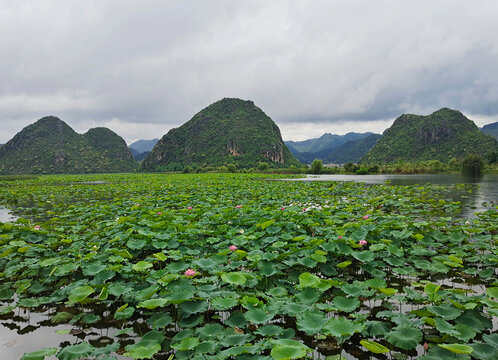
(144, 67)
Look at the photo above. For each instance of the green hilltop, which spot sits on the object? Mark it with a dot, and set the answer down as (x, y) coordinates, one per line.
(227, 131)
(442, 135)
(51, 146)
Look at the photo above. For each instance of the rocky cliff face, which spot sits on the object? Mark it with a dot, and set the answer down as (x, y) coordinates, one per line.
(441, 135)
(228, 131)
(51, 146)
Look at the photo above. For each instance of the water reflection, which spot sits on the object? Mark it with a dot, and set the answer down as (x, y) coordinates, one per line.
(5, 215)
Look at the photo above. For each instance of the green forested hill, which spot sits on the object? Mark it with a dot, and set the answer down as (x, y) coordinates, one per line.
(228, 131)
(52, 146)
(440, 136)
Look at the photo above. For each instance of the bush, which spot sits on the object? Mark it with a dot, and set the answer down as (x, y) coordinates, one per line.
(435, 166)
(231, 168)
(372, 169)
(362, 171)
(492, 157)
(350, 167)
(188, 169)
(262, 166)
(454, 164)
(473, 165)
(316, 166)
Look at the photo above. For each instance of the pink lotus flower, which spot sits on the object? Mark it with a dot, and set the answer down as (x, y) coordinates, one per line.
(37, 227)
(340, 237)
(282, 208)
(362, 242)
(365, 217)
(159, 213)
(233, 247)
(238, 206)
(189, 272)
(304, 209)
(137, 205)
(189, 208)
(426, 346)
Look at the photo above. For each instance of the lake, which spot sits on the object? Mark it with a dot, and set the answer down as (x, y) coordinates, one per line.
(479, 196)
(95, 209)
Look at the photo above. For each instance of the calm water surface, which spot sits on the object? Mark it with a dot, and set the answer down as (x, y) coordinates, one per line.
(483, 193)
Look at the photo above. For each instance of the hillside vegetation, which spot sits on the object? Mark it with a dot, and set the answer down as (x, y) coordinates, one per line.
(442, 135)
(52, 146)
(230, 131)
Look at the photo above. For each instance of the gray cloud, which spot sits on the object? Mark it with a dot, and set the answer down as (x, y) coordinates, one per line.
(143, 67)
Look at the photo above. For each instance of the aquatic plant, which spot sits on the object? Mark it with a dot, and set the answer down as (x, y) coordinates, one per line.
(292, 284)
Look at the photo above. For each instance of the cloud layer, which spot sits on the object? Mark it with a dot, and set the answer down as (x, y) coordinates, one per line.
(143, 67)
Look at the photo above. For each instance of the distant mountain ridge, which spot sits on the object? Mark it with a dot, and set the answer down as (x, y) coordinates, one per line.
(338, 149)
(491, 129)
(228, 131)
(141, 148)
(326, 141)
(143, 145)
(51, 146)
(352, 151)
(442, 135)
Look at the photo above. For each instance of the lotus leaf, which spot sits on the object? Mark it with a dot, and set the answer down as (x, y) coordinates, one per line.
(80, 293)
(307, 279)
(72, 352)
(341, 327)
(404, 337)
(457, 348)
(186, 344)
(374, 347)
(311, 322)
(39, 354)
(288, 349)
(235, 278)
(153, 303)
(345, 304)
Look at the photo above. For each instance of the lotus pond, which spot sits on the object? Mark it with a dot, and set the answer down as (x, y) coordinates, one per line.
(232, 266)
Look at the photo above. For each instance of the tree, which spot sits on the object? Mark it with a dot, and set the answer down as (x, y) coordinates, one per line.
(317, 166)
(473, 165)
(454, 164)
(231, 168)
(262, 166)
(492, 157)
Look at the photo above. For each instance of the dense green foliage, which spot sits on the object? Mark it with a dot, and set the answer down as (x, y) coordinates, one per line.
(325, 142)
(316, 166)
(228, 131)
(443, 135)
(473, 165)
(218, 267)
(491, 129)
(51, 146)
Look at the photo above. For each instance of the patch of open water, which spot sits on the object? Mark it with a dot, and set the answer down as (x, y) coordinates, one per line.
(6, 215)
(483, 193)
